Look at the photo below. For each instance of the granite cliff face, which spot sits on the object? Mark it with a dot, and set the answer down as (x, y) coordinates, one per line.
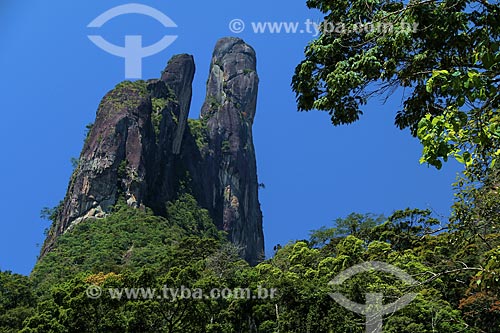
(229, 111)
(142, 148)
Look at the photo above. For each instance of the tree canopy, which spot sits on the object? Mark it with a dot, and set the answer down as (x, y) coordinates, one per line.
(446, 65)
(443, 55)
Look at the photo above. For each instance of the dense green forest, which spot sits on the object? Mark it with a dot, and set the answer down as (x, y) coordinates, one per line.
(450, 67)
(457, 270)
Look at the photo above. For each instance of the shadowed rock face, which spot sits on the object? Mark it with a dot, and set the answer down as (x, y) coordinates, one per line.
(114, 158)
(140, 147)
(229, 111)
(173, 92)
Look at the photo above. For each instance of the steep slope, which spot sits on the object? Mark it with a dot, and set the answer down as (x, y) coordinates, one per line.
(142, 150)
(231, 169)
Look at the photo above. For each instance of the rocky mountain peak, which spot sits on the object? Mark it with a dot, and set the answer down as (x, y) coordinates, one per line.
(141, 147)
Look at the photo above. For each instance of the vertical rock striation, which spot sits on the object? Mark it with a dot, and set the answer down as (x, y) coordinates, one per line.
(141, 146)
(228, 112)
(171, 99)
(113, 159)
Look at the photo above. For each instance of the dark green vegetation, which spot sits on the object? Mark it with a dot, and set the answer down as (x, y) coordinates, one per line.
(139, 87)
(198, 128)
(126, 95)
(457, 269)
(448, 66)
(159, 105)
(126, 240)
(17, 301)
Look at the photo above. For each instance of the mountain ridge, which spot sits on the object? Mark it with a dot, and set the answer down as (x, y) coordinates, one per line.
(144, 149)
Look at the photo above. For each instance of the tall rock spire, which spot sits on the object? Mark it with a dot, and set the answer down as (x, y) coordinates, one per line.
(229, 111)
(141, 145)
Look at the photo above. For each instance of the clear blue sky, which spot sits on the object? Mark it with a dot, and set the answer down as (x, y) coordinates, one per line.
(53, 78)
